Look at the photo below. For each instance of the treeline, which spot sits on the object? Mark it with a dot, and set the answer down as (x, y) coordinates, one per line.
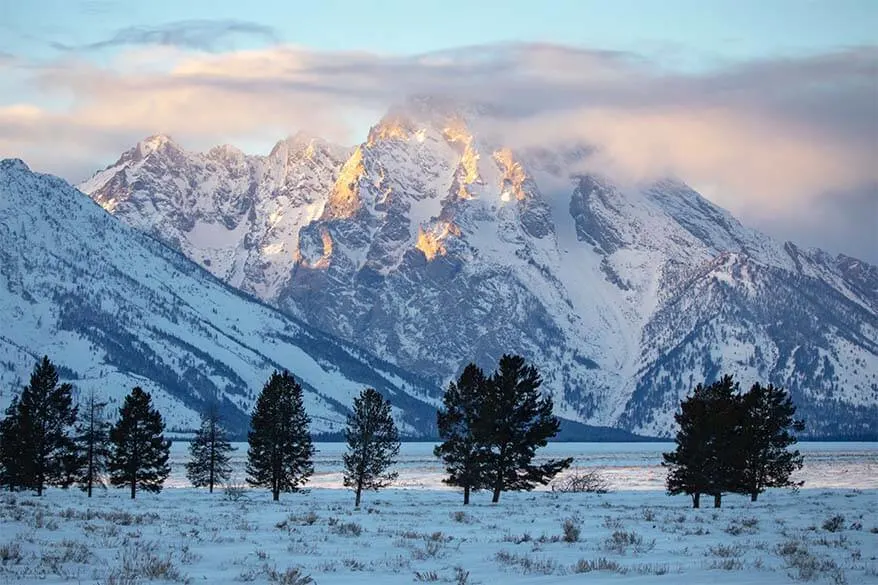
(733, 442)
(46, 440)
(491, 428)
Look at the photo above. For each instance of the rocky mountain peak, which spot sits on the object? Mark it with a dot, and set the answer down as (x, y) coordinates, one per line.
(433, 246)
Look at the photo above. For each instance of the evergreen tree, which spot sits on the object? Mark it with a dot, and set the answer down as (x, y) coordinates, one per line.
(93, 443)
(11, 448)
(139, 456)
(705, 460)
(280, 453)
(517, 421)
(768, 416)
(373, 444)
(462, 449)
(36, 432)
(209, 452)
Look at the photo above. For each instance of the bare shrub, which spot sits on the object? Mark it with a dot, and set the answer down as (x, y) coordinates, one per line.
(10, 553)
(517, 539)
(291, 576)
(599, 564)
(426, 576)
(462, 517)
(834, 523)
(234, 491)
(571, 530)
(527, 564)
(582, 481)
(432, 549)
(353, 564)
(621, 540)
(347, 529)
(725, 551)
(461, 576)
(805, 566)
(726, 564)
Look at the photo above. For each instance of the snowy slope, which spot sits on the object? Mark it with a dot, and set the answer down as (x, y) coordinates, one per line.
(236, 215)
(436, 246)
(115, 308)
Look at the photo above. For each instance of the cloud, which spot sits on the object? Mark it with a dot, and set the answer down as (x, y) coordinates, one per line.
(779, 142)
(202, 35)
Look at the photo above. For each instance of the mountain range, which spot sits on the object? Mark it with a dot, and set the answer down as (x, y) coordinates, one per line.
(432, 244)
(114, 308)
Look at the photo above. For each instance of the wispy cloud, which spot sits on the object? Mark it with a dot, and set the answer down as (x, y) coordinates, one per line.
(202, 35)
(774, 141)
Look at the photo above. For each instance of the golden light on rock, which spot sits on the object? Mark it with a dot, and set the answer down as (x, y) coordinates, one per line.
(344, 201)
(513, 176)
(430, 241)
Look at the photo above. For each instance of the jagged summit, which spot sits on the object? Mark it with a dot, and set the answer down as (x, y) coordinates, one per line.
(155, 142)
(114, 309)
(13, 164)
(433, 245)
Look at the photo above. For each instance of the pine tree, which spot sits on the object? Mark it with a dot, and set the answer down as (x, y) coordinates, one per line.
(373, 444)
(36, 432)
(93, 443)
(209, 452)
(462, 449)
(705, 460)
(280, 453)
(11, 448)
(768, 416)
(517, 421)
(139, 456)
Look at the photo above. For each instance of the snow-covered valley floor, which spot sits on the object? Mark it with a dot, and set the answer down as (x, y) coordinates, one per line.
(425, 534)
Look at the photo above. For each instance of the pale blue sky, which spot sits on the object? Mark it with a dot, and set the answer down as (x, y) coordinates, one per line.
(694, 31)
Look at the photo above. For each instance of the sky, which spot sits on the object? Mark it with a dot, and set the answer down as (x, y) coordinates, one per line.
(769, 107)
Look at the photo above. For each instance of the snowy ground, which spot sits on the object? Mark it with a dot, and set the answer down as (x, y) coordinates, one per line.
(421, 533)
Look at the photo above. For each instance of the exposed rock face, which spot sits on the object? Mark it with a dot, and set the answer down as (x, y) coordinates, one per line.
(114, 308)
(431, 246)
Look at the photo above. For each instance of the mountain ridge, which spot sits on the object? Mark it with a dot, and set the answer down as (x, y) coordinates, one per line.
(115, 308)
(431, 246)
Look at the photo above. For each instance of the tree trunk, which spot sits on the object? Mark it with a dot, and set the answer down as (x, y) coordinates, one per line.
(465, 495)
(498, 487)
(753, 496)
(696, 500)
(717, 500)
(359, 492)
(133, 488)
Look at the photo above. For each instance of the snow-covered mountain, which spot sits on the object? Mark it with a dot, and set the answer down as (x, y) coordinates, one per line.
(236, 215)
(114, 308)
(432, 245)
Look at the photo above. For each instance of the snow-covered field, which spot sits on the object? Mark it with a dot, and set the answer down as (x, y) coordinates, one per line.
(420, 532)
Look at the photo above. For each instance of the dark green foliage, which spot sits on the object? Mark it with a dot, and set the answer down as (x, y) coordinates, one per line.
(92, 444)
(704, 461)
(768, 416)
(728, 442)
(515, 420)
(11, 449)
(373, 444)
(139, 456)
(209, 452)
(37, 449)
(280, 453)
(462, 450)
